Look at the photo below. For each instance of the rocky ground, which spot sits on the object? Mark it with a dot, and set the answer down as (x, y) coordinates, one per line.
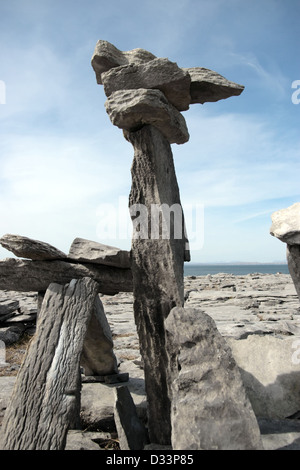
(255, 311)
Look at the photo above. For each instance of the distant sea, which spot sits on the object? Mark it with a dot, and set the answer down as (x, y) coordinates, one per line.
(235, 269)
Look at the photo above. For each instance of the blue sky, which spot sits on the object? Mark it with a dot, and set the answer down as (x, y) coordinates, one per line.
(65, 169)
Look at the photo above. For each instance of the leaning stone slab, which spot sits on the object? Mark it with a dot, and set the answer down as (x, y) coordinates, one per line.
(46, 398)
(87, 251)
(28, 275)
(132, 433)
(25, 247)
(132, 109)
(107, 56)
(97, 356)
(286, 224)
(209, 406)
(159, 73)
(209, 86)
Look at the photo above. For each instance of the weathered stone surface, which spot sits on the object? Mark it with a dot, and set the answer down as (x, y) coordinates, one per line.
(46, 397)
(209, 401)
(78, 440)
(208, 86)
(97, 356)
(132, 109)
(28, 248)
(293, 259)
(107, 56)
(132, 433)
(98, 401)
(28, 275)
(11, 334)
(8, 306)
(157, 266)
(286, 224)
(87, 251)
(160, 74)
(270, 369)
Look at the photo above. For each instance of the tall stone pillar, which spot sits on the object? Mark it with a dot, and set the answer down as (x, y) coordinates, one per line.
(146, 95)
(157, 265)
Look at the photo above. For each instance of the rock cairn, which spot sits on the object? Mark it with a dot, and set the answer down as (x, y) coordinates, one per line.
(145, 98)
(286, 227)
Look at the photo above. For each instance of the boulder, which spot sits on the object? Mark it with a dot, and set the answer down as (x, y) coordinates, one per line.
(132, 109)
(28, 248)
(97, 354)
(270, 369)
(87, 251)
(107, 56)
(210, 409)
(208, 86)
(286, 224)
(160, 74)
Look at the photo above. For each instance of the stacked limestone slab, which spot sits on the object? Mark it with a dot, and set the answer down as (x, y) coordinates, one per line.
(41, 265)
(286, 227)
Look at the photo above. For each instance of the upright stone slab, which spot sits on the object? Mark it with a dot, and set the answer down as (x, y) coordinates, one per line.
(98, 357)
(132, 433)
(157, 264)
(210, 409)
(46, 397)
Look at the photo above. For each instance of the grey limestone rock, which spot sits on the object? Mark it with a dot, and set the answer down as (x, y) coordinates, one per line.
(46, 397)
(29, 275)
(25, 247)
(160, 74)
(209, 405)
(87, 251)
(286, 224)
(131, 431)
(286, 227)
(293, 259)
(97, 356)
(270, 369)
(157, 267)
(132, 109)
(107, 56)
(209, 86)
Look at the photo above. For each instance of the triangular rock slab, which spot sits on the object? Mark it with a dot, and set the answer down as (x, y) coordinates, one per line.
(98, 357)
(209, 406)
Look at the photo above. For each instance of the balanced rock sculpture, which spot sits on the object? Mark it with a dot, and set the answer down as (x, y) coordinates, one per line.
(145, 97)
